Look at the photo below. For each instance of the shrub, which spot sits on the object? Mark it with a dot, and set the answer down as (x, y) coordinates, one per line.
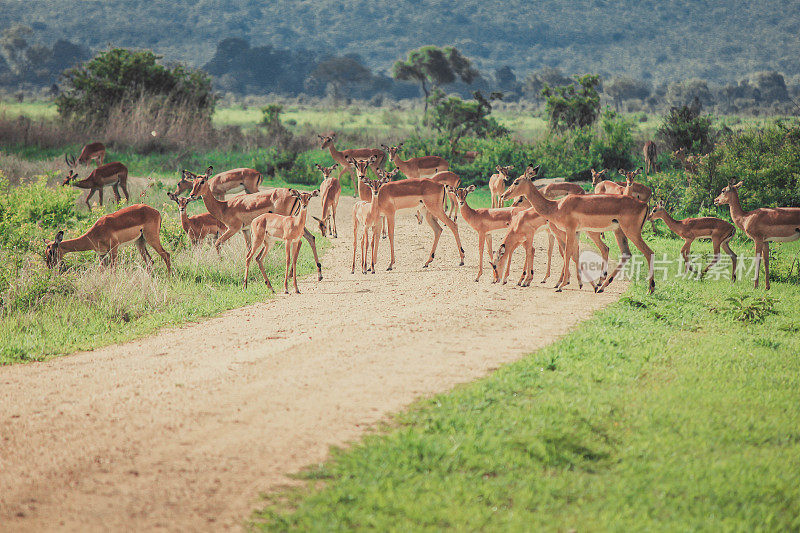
(574, 105)
(685, 127)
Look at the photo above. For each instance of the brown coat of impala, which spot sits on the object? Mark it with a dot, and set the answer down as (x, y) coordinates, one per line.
(778, 224)
(497, 184)
(137, 222)
(270, 227)
(96, 151)
(416, 167)
(238, 212)
(355, 153)
(197, 227)
(689, 229)
(329, 192)
(590, 212)
(234, 180)
(114, 174)
(639, 191)
(650, 153)
(408, 194)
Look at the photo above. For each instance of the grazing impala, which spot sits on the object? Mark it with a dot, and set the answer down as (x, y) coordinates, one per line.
(268, 228)
(590, 212)
(355, 153)
(365, 214)
(650, 153)
(197, 227)
(329, 192)
(96, 151)
(114, 174)
(235, 180)
(497, 184)
(137, 222)
(238, 212)
(409, 193)
(416, 167)
(719, 231)
(779, 224)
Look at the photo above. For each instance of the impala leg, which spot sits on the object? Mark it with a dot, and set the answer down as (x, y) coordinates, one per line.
(625, 254)
(481, 240)
(152, 235)
(333, 220)
(438, 212)
(296, 253)
(115, 188)
(247, 237)
(489, 246)
(686, 254)
(355, 243)
(89, 196)
(100, 193)
(230, 232)
(390, 225)
(148, 261)
(287, 249)
(568, 247)
(375, 242)
(759, 252)
(530, 254)
(550, 241)
(714, 260)
(123, 183)
(727, 247)
(635, 235)
(597, 238)
(437, 232)
(509, 254)
(313, 243)
(250, 252)
(260, 261)
(765, 249)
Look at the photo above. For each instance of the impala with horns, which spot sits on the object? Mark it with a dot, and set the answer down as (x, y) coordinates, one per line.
(355, 153)
(138, 222)
(114, 174)
(762, 225)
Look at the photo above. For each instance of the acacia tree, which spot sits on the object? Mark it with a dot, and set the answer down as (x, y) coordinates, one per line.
(573, 105)
(433, 66)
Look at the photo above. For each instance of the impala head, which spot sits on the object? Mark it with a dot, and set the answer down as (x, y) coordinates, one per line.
(387, 176)
(304, 196)
(392, 150)
(361, 165)
(657, 212)
(52, 251)
(326, 140)
(71, 175)
(725, 196)
(520, 185)
(182, 201)
(326, 171)
(200, 184)
(185, 182)
(504, 171)
(597, 177)
(461, 194)
(680, 153)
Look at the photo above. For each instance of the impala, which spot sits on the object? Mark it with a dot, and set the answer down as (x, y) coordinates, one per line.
(356, 153)
(197, 227)
(235, 180)
(689, 229)
(554, 191)
(497, 184)
(409, 193)
(96, 151)
(364, 189)
(779, 224)
(238, 212)
(268, 228)
(137, 222)
(114, 174)
(416, 167)
(329, 192)
(365, 214)
(468, 157)
(483, 221)
(638, 191)
(650, 153)
(589, 212)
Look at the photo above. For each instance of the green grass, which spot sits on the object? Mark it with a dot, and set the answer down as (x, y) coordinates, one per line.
(661, 413)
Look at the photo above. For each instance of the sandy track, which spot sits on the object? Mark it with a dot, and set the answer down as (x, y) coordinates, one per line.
(182, 430)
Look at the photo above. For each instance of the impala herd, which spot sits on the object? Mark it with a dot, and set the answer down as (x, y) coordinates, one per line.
(563, 210)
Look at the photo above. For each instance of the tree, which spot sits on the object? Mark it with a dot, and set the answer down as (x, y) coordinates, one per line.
(456, 118)
(625, 88)
(14, 45)
(119, 75)
(339, 72)
(685, 92)
(771, 86)
(431, 65)
(684, 127)
(545, 76)
(573, 105)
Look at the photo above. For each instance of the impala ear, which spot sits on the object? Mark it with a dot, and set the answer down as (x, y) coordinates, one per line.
(315, 218)
(171, 196)
(315, 193)
(535, 170)
(638, 171)
(334, 165)
(59, 237)
(470, 188)
(400, 145)
(738, 185)
(373, 159)
(317, 166)
(622, 172)
(383, 146)
(209, 170)
(498, 168)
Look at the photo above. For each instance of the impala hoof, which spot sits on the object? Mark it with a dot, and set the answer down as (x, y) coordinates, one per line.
(558, 289)
(388, 269)
(601, 289)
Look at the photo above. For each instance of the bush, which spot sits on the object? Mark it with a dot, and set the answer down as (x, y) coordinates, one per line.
(684, 127)
(574, 105)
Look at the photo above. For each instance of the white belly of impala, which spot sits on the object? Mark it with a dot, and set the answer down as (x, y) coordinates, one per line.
(789, 238)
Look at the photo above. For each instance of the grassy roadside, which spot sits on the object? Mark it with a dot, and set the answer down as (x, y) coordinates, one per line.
(44, 313)
(677, 411)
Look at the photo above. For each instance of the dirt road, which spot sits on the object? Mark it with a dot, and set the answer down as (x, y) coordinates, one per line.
(183, 430)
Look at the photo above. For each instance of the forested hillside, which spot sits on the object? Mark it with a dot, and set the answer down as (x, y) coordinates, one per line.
(650, 40)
